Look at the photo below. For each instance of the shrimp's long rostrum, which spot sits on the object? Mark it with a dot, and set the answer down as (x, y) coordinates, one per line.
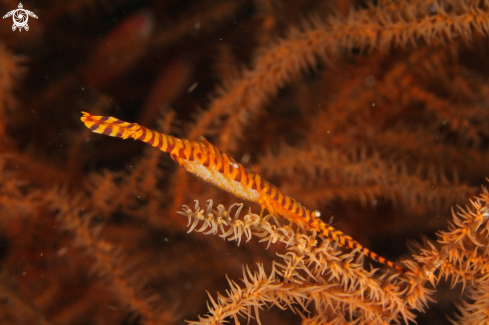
(210, 164)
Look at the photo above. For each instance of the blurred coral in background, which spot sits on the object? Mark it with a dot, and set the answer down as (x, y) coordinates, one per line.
(375, 113)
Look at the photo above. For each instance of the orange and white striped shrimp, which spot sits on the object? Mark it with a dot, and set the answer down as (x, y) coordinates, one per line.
(210, 164)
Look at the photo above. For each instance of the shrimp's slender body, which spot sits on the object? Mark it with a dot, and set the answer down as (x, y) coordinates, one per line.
(210, 164)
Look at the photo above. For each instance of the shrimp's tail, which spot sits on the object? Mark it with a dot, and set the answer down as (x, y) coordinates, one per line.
(111, 126)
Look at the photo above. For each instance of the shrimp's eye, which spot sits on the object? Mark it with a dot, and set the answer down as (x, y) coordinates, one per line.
(316, 214)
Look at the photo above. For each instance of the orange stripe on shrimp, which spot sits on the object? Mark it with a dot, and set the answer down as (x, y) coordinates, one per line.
(210, 164)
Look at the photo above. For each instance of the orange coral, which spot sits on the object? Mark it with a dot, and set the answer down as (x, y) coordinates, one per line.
(374, 112)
